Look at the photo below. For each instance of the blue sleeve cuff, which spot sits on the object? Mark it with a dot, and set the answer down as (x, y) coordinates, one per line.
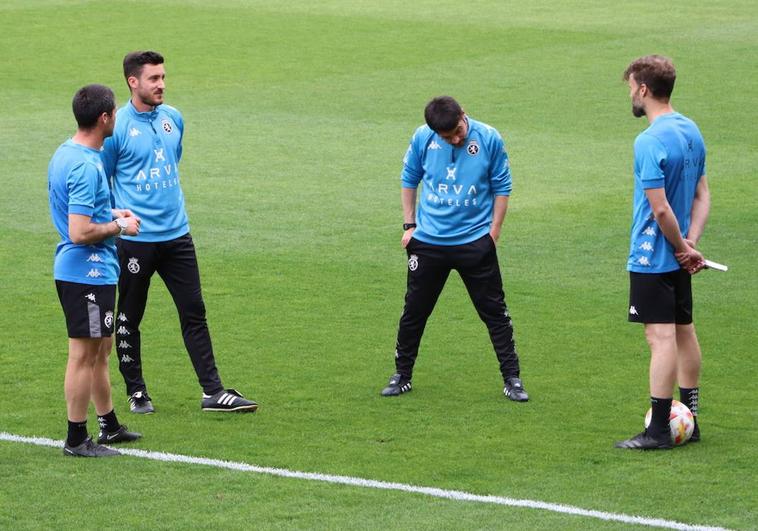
(84, 210)
(653, 183)
(409, 180)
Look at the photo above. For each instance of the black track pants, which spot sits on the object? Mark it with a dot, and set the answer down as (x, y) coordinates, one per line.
(428, 269)
(176, 263)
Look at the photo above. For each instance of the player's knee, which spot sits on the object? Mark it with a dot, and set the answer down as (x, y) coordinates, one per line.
(660, 334)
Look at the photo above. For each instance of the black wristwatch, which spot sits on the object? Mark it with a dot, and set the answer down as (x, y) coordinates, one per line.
(407, 226)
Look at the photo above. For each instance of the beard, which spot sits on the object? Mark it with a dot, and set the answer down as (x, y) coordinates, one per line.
(151, 99)
(638, 111)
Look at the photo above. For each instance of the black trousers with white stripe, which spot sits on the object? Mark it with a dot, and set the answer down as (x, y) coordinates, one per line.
(428, 269)
(176, 263)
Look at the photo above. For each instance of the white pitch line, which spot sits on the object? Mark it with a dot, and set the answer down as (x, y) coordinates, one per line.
(385, 485)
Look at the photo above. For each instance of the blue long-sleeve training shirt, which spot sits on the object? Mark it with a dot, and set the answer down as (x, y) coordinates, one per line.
(142, 161)
(459, 183)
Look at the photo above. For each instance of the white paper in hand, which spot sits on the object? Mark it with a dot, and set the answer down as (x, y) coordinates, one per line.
(715, 265)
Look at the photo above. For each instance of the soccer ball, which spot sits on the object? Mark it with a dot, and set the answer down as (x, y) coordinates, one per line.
(681, 422)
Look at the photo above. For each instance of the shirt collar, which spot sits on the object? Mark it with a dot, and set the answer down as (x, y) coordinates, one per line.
(148, 116)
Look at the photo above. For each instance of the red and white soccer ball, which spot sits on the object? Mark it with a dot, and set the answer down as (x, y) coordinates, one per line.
(681, 422)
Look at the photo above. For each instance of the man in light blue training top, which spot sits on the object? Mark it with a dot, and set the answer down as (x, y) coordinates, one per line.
(466, 180)
(671, 205)
(86, 269)
(142, 159)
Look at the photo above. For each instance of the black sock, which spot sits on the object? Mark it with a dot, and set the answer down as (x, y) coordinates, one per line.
(690, 398)
(77, 433)
(109, 422)
(659, 423)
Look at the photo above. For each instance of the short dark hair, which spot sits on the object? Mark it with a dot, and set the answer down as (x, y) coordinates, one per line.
(90, 103)
(442, 114)
(656, 72)
(134, 62)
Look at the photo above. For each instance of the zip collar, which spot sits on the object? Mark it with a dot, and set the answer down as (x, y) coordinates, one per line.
(148, 116)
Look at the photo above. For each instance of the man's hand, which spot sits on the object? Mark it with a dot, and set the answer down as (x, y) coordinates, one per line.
(690, 258)
(133, 224)
(494, 234)
(407, 235)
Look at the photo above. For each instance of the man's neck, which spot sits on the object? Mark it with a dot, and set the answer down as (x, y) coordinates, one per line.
(656, 109)
(141, 106)
(92, 139)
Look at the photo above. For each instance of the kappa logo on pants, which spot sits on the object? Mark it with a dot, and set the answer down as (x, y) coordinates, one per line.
(133, 266)
(413, 262)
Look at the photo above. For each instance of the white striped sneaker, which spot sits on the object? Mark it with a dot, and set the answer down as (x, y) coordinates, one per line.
(228, 400)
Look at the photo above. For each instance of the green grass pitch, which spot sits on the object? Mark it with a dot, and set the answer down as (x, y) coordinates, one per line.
(297, 117)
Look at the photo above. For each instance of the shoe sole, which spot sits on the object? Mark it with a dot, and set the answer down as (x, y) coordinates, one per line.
(240, 409)
(396, 394)
(69, 453)
(644, 449)
(510, 397)
(142, 412)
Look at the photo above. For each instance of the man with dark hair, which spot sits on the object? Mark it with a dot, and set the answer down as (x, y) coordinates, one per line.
(671, 205)
(466, 184)
(86, 269)
(142, 159)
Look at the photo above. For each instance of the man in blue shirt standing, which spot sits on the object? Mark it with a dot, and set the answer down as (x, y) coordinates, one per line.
(86, 269)
(142, 160)
(671, 205)
(466, 178)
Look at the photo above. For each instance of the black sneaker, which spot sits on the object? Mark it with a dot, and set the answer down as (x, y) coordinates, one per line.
(122, 434)
(645, 441)
(140, 403)
(695, 437)
(514, 390)
(89, 449)
(397, 386)
(228, 400)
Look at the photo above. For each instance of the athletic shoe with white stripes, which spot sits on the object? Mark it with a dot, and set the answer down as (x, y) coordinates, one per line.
(514, 390)
(140, 403)
(228, 400)
(397, 386)
(89, 449)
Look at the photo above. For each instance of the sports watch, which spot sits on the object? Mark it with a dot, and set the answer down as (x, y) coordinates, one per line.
(407, 226)
(122, 225)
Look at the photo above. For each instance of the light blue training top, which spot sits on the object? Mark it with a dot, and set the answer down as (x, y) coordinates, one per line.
(669, 154)
(142, 161)
(77, 184)
(455, 204)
